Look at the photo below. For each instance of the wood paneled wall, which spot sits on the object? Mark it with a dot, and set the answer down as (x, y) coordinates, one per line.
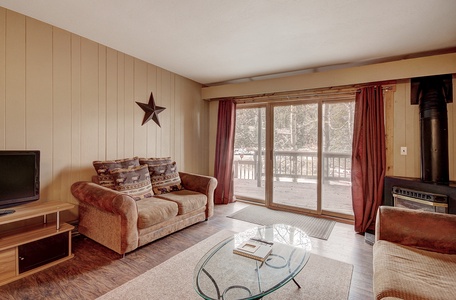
(404, 129)
(74, 100)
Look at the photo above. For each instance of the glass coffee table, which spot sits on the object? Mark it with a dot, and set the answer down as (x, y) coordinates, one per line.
(221, 274)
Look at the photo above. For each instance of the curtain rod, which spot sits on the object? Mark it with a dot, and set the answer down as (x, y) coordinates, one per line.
(333, 96)
(332, 92)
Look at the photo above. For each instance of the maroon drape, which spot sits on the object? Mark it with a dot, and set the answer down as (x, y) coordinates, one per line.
(368, 156)
(224, 152)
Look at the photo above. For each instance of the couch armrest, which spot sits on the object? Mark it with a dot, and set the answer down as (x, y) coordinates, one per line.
(202, 184)
(115, 203)
(104, 198)
(425, 230)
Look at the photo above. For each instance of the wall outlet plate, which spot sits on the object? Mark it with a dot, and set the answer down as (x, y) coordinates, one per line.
(403, 150)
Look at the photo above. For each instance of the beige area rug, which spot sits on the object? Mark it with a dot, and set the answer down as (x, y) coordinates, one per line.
(315, 227)
(321, 278)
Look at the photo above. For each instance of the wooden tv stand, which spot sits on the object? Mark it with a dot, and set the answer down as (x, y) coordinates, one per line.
(29, 249)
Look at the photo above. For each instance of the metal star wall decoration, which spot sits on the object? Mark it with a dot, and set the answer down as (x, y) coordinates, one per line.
(151, 110)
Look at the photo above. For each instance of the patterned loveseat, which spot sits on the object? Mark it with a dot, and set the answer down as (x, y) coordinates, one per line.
(132, 202)
(414, 255)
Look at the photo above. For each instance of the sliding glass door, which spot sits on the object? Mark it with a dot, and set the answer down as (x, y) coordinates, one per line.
(296, 155)
(336, 156)
(249, 150)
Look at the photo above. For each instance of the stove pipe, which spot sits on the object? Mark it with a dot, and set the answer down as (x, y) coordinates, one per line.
(432, 95)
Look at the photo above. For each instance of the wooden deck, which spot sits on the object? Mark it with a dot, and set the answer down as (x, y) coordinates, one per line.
(336, 195)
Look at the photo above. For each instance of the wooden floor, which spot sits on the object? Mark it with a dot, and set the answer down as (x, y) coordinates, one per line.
(96, 270)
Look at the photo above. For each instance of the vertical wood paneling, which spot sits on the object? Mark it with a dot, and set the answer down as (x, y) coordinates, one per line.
(411, 134)
(15, 81)
(76, 163)
(203, 121)
(151, 130)
(102, 102)
(140, 95)
(74, 100)
(112, 121)
(61, 90)
(89, 103)
(178, 120)
(165, 117)
(187, 129)
(192, 123)
(172, 115)
(213, 108)
(158, 132)
(38, 89)
(389, 130)
(121, 104)
(399, 132)
(203, 129)
(414, 156)
(2, 77)
(128, 105)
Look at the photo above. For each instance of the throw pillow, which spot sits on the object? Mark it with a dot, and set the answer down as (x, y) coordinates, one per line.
(155, 161)
(128, 163)
(134, 182)
(165, 178)
(103, 169)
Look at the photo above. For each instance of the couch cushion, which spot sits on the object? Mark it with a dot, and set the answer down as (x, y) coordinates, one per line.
(153, 211)
(410, 273)
(103, 169)
(134, 182)
(165, 178)
(186, 200)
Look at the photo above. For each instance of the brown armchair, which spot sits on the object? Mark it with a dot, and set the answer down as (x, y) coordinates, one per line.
(414, 254)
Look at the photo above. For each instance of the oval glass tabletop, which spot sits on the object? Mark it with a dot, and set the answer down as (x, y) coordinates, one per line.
(222, 274)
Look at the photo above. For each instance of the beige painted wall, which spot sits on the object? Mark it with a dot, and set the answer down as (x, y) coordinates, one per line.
(402, 69)
(74, 100)
(405, 121)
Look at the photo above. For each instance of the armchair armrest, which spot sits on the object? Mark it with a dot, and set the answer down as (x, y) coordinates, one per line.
(202, 184)
(425, 230)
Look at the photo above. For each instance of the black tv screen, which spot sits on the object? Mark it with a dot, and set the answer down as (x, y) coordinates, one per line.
(19, 177)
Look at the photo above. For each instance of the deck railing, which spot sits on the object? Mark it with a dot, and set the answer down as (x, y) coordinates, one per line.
(295, 165)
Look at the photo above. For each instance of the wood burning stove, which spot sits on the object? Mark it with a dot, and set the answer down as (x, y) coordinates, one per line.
(416, 186)
(419, 200)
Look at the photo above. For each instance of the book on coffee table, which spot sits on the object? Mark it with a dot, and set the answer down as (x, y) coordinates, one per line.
(254, 248)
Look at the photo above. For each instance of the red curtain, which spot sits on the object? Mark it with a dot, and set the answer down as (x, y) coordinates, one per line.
(368, 157)
(224, 152)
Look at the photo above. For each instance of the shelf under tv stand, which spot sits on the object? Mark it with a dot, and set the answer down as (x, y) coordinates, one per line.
(28, 249)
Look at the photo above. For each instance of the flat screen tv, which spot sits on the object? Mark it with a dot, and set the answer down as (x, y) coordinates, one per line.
(19, 177)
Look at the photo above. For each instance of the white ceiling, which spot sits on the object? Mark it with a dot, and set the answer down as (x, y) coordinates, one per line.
(213, 41)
